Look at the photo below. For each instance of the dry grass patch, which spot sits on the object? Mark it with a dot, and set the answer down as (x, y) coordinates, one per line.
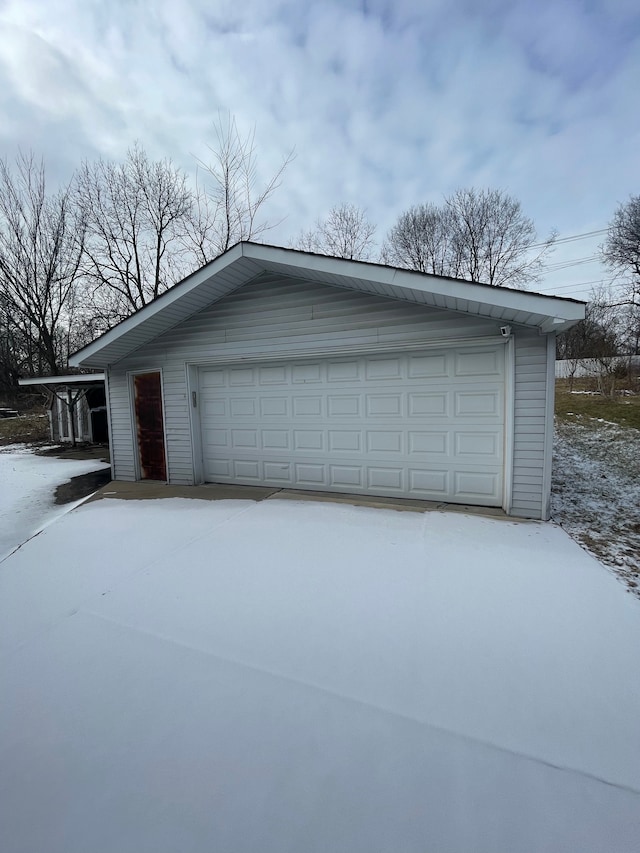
(585, 402)
(25, 429)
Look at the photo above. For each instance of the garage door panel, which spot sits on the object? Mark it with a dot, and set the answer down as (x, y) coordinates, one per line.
(384, 368)
(384, 405)
(218, 469)
(343, 406)
(428, 481)
(307, 407)
(476, 443)
(218, 438)
(478, 403)
(345, 440)
(242, 407)
(306, 373)
(427, 367)
(343, 371)
(277, 472)
(429, 442)
(386, 478)
(274, 407)
(215, 408)
(305, 440)
(388, 442)
(273, 375)
(247, 469)
(276, 439)
(435, 404)
(485, 362)
(424, 425)
(213, 378)
(308, 474)
(242, 438)
(345, 476)
(241, 376)
(475, 485)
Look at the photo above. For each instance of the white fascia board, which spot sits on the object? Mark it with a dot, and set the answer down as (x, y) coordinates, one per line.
(74, 379)
(502, 297)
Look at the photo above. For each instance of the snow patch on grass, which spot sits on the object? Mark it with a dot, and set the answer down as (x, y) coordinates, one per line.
(596, 492)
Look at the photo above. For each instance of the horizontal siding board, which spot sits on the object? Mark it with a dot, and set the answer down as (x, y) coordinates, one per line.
(122, 437)
(529, 403)
(522, 470)
(527, 393)
(534, 463)
(525, 480)
(524, 367)
(528, 510)
(530, 417)
(530, 353)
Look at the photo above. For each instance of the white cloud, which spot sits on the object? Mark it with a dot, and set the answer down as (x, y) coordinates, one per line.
(387, 104)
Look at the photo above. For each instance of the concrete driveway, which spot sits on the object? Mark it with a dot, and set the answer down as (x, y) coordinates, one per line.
(186, 675)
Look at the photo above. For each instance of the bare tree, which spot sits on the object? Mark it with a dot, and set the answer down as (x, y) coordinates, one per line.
(230, 201)
(41, 246)
(621, 252)
(137, 215)
(592, 347)
(344, 233)
(423, 239)
(147, 227)
(480, 235)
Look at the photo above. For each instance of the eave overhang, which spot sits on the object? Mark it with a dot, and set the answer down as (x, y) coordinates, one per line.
(245, 261)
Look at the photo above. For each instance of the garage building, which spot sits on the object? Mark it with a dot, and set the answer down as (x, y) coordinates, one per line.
(287, 369)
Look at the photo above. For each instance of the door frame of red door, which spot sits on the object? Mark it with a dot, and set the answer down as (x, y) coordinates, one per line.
(131, 375)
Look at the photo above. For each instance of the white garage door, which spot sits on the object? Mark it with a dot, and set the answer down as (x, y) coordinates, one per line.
(426, 425)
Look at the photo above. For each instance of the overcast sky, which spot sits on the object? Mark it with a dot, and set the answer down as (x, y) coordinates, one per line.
(387, 104)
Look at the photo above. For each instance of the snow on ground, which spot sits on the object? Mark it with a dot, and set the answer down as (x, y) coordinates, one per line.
(596, 491)
(182, 675)
(27, 486)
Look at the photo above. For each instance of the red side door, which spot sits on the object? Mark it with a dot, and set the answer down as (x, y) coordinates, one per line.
(150, 426)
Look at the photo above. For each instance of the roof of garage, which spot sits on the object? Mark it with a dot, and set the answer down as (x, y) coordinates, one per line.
(79, 379)
(245, 261)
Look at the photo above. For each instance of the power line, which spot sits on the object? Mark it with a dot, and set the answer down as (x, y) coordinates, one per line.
(561, 240)
(584, 285)
(581, 289)
(581, 283)
(576, 262)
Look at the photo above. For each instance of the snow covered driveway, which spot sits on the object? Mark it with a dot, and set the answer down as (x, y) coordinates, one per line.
(293, 676)
(27, 488)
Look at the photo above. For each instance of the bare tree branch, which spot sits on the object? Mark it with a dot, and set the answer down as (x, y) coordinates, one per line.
(480, 235)
(344, 233)
(138, 213)
(229, 201)
(41, 246)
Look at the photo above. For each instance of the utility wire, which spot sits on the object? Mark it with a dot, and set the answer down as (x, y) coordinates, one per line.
(577, 284)
(571, 238)
(574, 262)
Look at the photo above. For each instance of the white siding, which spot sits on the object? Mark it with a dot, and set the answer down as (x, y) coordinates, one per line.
(274, 316)
(530, 414)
